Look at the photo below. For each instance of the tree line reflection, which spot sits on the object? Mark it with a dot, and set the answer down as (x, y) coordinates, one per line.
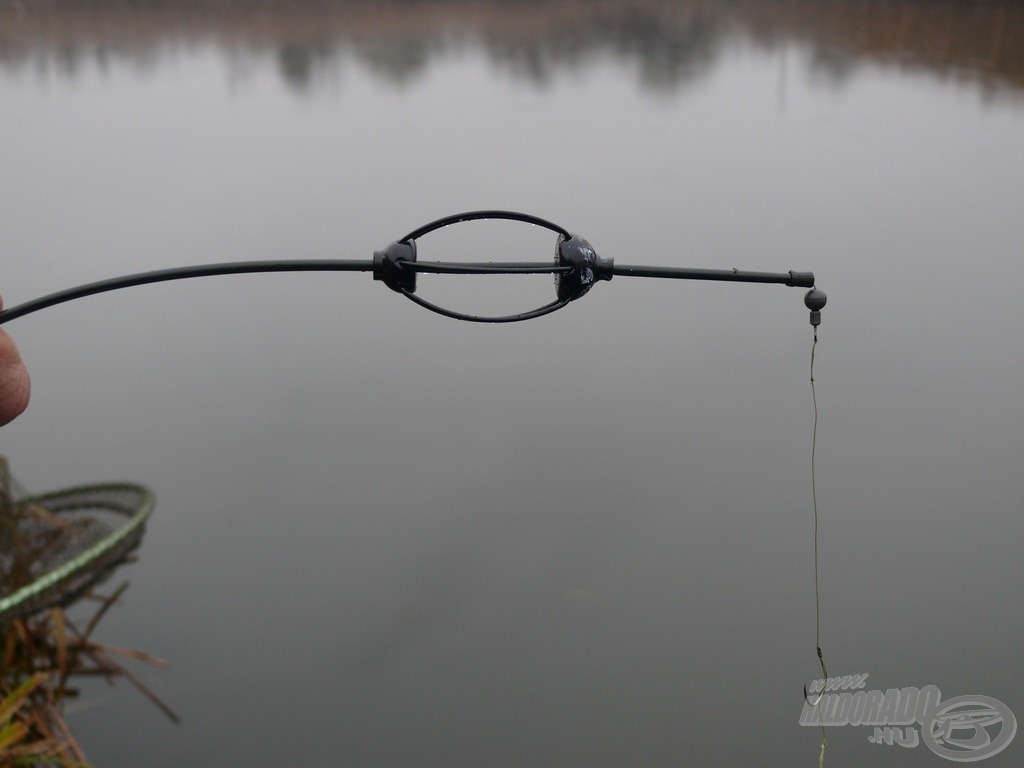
(668, 42)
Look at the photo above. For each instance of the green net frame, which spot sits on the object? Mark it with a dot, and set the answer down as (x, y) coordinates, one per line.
(123, 508)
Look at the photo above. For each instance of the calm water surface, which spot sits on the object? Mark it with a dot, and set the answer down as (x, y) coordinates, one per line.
(386, 538)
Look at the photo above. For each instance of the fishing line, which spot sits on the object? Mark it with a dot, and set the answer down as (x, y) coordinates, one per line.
(815, 300)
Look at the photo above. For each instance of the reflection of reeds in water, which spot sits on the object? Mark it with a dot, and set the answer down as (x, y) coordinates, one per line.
(981, 41)
(43, 650)
(672, 40)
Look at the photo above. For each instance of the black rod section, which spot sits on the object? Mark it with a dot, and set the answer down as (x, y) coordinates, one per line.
(487, 267)
(182, 273)
(803, 279)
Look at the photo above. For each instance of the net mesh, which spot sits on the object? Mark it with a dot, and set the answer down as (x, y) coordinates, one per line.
(56, 546)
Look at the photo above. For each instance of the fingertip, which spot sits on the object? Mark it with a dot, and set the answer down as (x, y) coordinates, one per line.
(15, 386)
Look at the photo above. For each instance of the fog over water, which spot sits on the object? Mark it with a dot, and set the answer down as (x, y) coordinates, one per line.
(384, 537)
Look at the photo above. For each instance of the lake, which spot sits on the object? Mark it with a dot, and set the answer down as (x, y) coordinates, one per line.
(388, 538)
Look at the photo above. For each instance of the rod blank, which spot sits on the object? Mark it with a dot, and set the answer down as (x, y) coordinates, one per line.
(802, 279)
(576, 265)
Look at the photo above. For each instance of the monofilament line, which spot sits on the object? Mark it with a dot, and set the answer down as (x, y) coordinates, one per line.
(814, 504)
(814, 501)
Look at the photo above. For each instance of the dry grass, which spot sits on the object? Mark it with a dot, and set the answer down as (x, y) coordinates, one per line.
(43, 656)
(44, 653)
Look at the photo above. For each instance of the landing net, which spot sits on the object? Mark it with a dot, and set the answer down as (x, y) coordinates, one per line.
(56, 546)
